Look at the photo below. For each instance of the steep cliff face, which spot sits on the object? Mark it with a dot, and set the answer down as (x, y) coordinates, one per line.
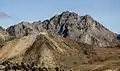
(82, 28)
(24, 29)
(69, 24)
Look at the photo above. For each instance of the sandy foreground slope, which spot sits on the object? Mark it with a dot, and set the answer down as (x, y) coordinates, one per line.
(49, 50)
(16, 47)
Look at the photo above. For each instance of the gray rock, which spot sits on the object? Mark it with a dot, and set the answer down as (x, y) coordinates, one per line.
(69, 24)
(82, 29)
(23, 29)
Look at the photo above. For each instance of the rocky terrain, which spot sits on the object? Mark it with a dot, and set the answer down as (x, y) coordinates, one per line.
(67, 41)
(2, 36)
(50, 51)
(118, 36)
(69, 24)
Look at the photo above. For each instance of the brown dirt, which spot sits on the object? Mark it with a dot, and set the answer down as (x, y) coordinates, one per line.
(50, 51)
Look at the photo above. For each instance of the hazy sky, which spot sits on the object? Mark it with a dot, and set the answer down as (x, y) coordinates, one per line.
(107, 12)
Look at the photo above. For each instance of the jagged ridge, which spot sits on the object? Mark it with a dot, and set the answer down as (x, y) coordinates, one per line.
(69, 24)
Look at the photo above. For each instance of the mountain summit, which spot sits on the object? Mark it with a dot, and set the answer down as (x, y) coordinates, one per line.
(69, 25)
(67, 41)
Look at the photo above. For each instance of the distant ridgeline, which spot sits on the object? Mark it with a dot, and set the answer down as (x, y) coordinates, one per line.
(118, 36)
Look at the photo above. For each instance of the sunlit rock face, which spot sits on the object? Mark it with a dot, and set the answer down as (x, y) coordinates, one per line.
(69, 24)
(24, 29)
(82, 29)
(67, 41)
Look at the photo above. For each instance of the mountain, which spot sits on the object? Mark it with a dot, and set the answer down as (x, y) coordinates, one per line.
(67, 41)
(22, 29)
(83, 29)
(3, 36)
(47, 49)
(69, 25)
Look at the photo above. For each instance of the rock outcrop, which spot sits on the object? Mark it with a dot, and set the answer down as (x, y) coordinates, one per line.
(67, 41)
(69, 24)
(82, 29)
(22, 29)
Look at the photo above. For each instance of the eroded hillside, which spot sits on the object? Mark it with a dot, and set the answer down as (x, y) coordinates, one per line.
(50, 50)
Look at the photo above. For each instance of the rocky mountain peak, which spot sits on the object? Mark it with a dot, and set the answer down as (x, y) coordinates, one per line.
(68, 13)
(68, 24)
(82, 28)
(66, 41)
(21, 29)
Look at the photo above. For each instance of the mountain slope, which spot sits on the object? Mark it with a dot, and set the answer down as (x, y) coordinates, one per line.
(2, 33)
(67, 41)
(23, 29)
(3, 36)
(45, 49)
(15, 47)
(83, 29)
(69, 24)
(49, 50)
